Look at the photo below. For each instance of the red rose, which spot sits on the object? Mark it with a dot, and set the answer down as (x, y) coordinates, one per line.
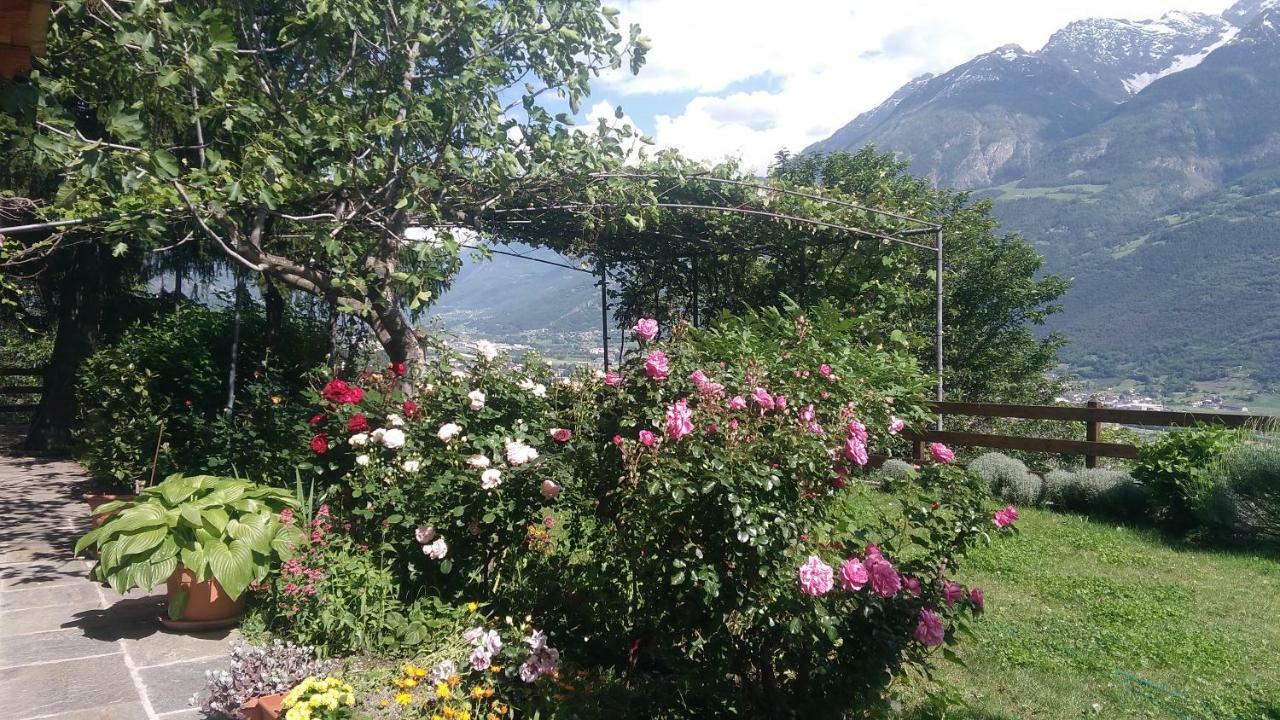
(561, 434)
(358, 423)
(336, 391)
(410, 409)
(317, 419)
(401, 369)
(320, 444)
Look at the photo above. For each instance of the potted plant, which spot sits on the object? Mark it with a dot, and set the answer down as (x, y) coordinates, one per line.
(208, 538)
(254, 684)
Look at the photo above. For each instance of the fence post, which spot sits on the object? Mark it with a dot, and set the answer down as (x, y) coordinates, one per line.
(917, 449)
(1092, 430)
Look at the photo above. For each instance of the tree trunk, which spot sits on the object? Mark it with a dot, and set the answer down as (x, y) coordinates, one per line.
(397, 336)
(80, 307)
(273, 301)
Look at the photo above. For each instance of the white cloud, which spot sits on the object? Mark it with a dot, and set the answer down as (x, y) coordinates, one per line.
(822, 61)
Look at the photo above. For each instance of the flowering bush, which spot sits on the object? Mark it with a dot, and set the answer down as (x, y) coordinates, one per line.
(497, 670)
(696, 514)
(725, 548)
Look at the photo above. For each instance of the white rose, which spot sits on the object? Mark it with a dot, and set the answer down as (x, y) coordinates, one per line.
(362, 460)
(478, 461)
(477, 399)
(449, 431)
(393, 439)
(519, 453)
(491, 478)
(486, 350)
(358, 440)
(395, 421)
(460, 375)
(540, 390)
(411, 465)
(526, 384)
(376, 435)
(436, 550)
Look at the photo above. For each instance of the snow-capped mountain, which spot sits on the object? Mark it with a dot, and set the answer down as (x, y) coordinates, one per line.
(1117, 58)
(1141, 158)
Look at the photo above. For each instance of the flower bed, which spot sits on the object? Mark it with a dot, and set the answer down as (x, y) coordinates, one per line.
(685, 522)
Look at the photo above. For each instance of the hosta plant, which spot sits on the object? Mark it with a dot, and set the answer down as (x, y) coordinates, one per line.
(216, 527)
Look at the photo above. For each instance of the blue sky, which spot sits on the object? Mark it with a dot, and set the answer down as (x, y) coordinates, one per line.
(749, 77)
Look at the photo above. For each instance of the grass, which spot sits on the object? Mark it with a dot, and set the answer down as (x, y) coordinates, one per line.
(1088, 619)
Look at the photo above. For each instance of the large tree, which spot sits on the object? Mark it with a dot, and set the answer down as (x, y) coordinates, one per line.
(309, 140)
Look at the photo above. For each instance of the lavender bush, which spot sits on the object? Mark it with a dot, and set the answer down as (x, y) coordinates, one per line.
(256, 671)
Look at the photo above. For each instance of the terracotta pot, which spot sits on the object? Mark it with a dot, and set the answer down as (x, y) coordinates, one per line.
(96, 500)
(262, 708)
(207, 602)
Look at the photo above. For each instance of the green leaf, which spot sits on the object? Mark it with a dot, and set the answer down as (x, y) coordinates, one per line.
(232, 566)
(142, 541)
(165, 164)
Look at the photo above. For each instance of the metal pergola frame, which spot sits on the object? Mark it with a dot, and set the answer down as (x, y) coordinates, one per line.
(513, 216)
(916, 227)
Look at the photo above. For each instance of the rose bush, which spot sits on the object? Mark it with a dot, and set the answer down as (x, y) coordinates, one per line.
(695, 518)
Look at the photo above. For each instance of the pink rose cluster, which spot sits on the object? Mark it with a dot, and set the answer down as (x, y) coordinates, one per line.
(1005, 516)
(656, 365)
(679, 419)
(707, 387)
(855, 443)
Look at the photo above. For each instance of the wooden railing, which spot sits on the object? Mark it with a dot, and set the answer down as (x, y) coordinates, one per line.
(1092, 415)
(7, 389)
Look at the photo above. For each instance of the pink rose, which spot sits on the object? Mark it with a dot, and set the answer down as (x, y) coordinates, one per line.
(655, 365)
(561, 434)
(763, 399)
(807, 413)
(853, 575)
(858, 431)
(912, 585)
(929, 630)
(855, 451)
(885, 581)
(1005, 516)
(815, 428)
(737, 402)
(816, 577)
(706, 387)
(975, 597)
(647, 438)
(679, 419)
(824, 370)
(951, 593)
(780, 401)
(646, 329)
(896, 425)
(550, 489)
(612, 379)
(941, 453)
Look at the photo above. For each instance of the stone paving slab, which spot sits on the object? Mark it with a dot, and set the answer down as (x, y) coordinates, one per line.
(66, 686)
(70, 648)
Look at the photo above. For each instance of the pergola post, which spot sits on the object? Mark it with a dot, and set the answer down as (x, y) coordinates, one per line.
(938, 337)
(604, 308)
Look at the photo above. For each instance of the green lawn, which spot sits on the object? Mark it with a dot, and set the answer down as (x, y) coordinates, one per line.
(1089, 619)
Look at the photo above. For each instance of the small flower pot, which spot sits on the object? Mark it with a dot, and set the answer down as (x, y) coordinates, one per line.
(96, 500)
(206, 606)
(262, 708)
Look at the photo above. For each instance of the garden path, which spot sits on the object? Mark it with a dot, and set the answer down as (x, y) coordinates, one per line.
(72, 649)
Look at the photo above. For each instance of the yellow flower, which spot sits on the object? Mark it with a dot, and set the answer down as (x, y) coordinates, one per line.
(477, 692)
(403, 698)
(464, 715)
(454, 680)
(450, 713)
(383, 703)
(443, 692)
(495, 668)
(473, 606)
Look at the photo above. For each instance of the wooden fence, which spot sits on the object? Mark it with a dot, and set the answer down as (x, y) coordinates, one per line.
(1092, 415)
(8, 389)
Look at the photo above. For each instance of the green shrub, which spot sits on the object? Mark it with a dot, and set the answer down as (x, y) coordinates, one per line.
(1104, 492)
(1175, 469)
(999, 471)
(1245, 503)
(894, 469)
(159, 395)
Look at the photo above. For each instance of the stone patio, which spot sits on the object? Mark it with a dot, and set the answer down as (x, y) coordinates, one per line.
(70, 648)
